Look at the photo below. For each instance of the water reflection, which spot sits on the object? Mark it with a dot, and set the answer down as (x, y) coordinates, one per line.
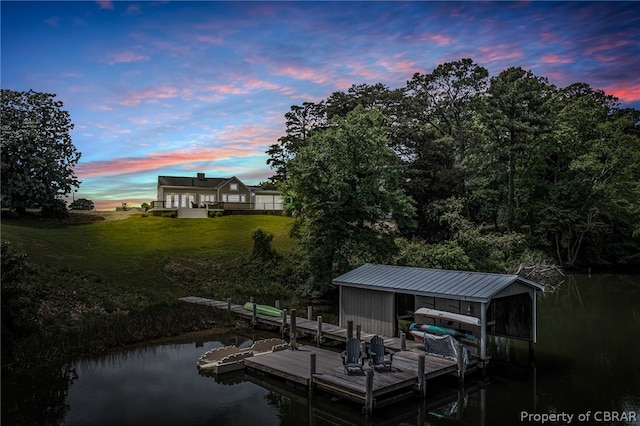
(585, 360)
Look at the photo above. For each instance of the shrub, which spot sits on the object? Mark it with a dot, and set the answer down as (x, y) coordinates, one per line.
(170, 214)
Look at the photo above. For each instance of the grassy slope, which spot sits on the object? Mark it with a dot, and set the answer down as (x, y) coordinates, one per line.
(144, 257)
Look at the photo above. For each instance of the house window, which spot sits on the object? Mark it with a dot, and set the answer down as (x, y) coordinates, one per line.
(233, 187)
(234, 198)
(207, 198)
(168, 198)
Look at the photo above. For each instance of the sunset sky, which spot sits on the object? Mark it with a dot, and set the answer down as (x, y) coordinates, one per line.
(175, 88)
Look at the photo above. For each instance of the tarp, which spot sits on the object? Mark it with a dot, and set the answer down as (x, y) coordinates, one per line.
(446, 347)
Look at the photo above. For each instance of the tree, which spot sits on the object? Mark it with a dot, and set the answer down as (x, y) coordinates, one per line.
(38, 156)
(81, 204)
(590, 200)
(518, 112)
(300, 121)
(349, 194)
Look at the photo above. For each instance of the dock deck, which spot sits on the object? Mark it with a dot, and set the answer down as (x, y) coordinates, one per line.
(319, 368)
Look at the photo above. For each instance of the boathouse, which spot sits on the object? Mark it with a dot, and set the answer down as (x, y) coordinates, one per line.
(378, 296)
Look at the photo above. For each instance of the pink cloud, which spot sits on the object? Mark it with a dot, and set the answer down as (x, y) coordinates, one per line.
(499, 52)
(105, 4)
(607, 46)
(439, 39)
(150, 95)
(399, 65)
(303, 73)
(625, 94)
(556, 59)
(125, 57)
(158, 160)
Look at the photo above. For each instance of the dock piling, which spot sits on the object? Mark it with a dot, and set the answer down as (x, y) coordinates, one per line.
(319, 333)
(403, 341)
(312, 371)
(422, 382)
(228, 308)
(292, 332)
(254, 317)
(309, 312)
(284, 322)
(368, 399)
(460, 362)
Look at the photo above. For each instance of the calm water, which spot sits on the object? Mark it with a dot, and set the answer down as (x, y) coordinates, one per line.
(586, 361)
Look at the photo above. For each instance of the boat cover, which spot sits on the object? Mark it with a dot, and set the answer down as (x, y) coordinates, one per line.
(446, 347)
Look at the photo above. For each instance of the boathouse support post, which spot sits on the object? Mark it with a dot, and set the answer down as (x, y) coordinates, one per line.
(309, 312)
(403, 341)
(422, 381)
(284, 321)
(368, 393)
(312, 371)
(460, 361)
(292, 332)
(349, 329)
(319, 332)
(483, 332)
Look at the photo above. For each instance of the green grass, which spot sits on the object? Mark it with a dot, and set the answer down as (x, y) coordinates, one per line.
(99, 284)
(131, 250)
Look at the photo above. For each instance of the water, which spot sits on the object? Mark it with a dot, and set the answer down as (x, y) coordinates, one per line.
(586, 362)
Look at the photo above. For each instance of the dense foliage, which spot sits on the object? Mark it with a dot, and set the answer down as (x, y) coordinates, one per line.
(81, 204)
(348, 193)
(38, 156)
(497, 168)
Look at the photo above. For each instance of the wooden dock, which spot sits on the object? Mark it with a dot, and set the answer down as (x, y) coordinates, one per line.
(324, 330)
(318, 368)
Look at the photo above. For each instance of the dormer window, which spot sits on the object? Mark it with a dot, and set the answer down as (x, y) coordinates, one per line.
(233, 187)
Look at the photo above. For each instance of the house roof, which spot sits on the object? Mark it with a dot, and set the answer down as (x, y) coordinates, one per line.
(457, 285)
(191, 181)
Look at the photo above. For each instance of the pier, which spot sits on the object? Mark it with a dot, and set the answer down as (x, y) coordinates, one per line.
(320, 369)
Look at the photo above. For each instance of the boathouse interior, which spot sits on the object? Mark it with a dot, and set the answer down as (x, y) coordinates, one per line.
(378, 297)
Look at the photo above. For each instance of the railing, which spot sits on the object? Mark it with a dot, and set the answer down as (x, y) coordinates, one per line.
(227, 205)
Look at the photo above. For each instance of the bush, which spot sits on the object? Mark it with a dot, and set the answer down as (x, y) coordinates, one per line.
(56, 209)
(81, 204)
(215, 214)
(262, 245)
(170, 214)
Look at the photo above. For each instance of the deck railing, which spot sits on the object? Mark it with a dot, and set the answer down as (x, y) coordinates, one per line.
(162, 205)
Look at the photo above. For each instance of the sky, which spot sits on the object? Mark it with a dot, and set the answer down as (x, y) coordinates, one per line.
(176, 88)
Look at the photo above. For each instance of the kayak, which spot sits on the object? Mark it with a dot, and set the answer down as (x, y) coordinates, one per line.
(417, 330)
(263, 309)
(447, 316)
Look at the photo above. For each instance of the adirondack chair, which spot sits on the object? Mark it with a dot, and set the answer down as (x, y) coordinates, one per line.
(352, 356)
(377, 353)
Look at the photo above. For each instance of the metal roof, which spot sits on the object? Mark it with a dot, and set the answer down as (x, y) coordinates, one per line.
(191, 181)
(457, 285)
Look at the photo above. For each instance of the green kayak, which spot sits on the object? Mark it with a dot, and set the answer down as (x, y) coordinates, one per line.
(263, 310)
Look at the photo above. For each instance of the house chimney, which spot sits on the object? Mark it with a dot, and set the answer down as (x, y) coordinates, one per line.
(200, 176)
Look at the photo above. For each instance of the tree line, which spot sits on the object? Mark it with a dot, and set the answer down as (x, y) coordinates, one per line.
(462, 169)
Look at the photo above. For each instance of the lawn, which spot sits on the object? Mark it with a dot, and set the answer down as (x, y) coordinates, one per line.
(155, 258)
(130, 249)
(102, 283)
